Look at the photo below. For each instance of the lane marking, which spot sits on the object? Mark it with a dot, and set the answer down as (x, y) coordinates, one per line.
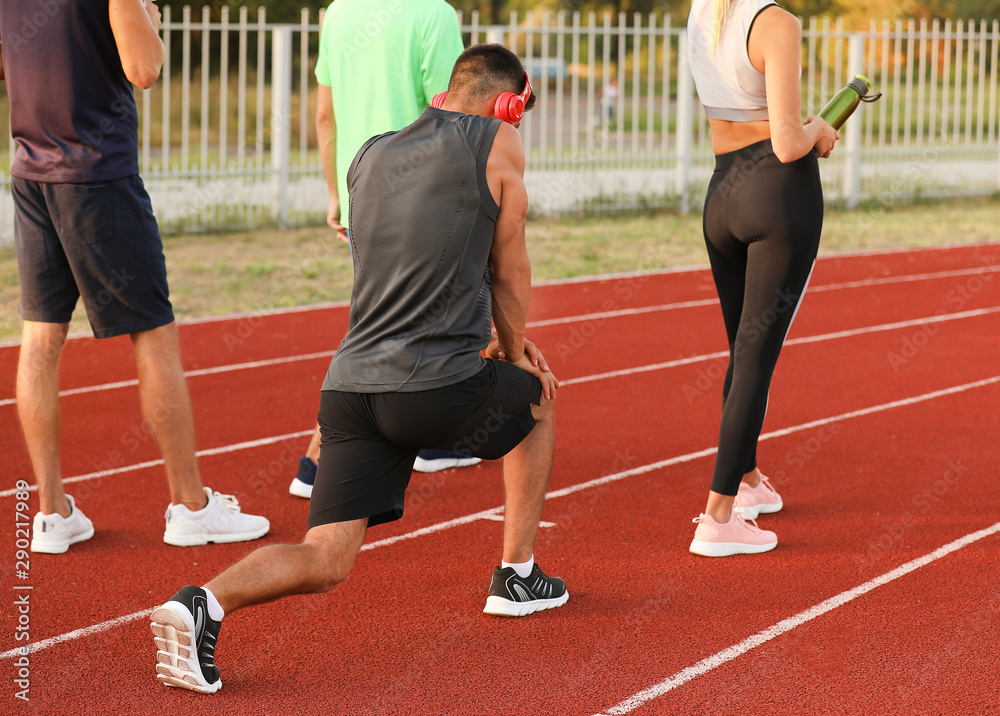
(232, 367)
(607, 479)
(937, 318)
(235, 447)
(32, 647)
(699, 303)
(576, 381)
(772, 632)
(596, 278)
(850, 333)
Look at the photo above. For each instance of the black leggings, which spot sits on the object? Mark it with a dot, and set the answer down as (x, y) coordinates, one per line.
(762, 223)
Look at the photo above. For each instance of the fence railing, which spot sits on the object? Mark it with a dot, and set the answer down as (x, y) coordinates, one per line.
(227, 137)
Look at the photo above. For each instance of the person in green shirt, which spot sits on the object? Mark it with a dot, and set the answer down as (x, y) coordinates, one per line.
(380, 64)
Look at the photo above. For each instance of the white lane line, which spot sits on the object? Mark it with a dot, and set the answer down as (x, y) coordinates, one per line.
(942, 318)
(73, 635)
(583, 379)
(153, 463)
(607, 479)
(190, 374)
(600, 278)
(938, 318)
(699, 303)
(772, 632)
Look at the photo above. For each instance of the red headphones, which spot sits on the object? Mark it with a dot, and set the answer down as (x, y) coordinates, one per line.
(509, 106)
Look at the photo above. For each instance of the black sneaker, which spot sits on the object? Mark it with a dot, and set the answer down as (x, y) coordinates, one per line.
(182, 627)
(514, 596)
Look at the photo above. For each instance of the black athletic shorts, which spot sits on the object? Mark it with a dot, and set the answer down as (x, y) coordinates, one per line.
(370, 440)
(98, 241)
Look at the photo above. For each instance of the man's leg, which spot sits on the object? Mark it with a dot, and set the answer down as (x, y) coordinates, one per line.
(166, 408)
(186, 628)
(526, 472)
(38, 408)
(320, 563)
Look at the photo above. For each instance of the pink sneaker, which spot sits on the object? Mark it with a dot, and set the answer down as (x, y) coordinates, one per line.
(738, 536)
(761, 500)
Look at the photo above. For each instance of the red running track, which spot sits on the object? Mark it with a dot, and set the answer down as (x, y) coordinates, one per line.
(881, 435)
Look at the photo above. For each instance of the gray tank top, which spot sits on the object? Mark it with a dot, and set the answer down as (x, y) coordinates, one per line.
(422, 220)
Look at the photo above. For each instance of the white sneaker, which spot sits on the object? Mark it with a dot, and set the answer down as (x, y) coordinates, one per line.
(53, 534)
(218, 522)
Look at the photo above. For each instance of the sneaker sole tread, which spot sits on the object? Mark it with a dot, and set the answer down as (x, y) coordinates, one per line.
(175, 648)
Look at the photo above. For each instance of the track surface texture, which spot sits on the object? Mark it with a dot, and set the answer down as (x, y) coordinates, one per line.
(882, 597)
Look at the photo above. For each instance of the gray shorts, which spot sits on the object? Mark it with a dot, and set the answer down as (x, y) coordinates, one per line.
(98, 241)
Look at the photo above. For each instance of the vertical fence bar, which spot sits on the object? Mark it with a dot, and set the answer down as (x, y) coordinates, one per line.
(970, 78)
(995, 37)
(543, 64)
(474, 34)
(838, 56)
(281, 109)
(591, 79)
(224, 89)
(945, 83)
(636, 79)
(685, 101)
(605, 80)
(981, 105)
(206, 78)
(668, 66)
(575, 89)
(529, 50)
(883, 108)
(186, 90)
(812, 64)
(932, 99)
(897, 79)
(650, 83)
(956, 108)
(908, 107)
(824, 89)
(560, 80)
(852, 168)
(165, 131)
(241, 98)
(922, 82)
(304, 87)
(261, 54)
(619, 100)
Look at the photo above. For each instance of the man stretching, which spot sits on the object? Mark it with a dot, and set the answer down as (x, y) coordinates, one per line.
(437, 229)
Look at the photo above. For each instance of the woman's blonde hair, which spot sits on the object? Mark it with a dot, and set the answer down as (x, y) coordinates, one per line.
(721, 16)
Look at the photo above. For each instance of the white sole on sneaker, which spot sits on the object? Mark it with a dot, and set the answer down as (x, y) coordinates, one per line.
(300, 489)
(498, 606)
(196, 540)
(752, 513)
(41, 546)
(176, 653)
(445, 463)
(727, 549)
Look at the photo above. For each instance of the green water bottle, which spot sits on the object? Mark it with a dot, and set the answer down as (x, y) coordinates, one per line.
(838, 109)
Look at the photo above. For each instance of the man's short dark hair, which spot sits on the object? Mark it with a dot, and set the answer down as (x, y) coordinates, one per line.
(484, 71)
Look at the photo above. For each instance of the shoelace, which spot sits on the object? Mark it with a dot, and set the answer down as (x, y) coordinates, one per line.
(227, 502)
(751, 524)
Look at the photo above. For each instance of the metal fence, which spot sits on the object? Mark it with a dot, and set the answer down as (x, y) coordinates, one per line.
(227, 137)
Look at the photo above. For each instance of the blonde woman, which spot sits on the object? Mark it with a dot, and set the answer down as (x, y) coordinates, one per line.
(762, 221)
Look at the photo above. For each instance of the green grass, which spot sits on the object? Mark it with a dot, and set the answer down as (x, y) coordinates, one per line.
(214, 274)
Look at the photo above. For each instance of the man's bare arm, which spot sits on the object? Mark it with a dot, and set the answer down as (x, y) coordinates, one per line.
(326, 135)
(510, 268)
(137, 34)
(2, 77)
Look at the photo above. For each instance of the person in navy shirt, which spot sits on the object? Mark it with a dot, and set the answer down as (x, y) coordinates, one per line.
(84, 228)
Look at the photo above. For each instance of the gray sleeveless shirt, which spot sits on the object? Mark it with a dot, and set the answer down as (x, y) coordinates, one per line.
(421, 221)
